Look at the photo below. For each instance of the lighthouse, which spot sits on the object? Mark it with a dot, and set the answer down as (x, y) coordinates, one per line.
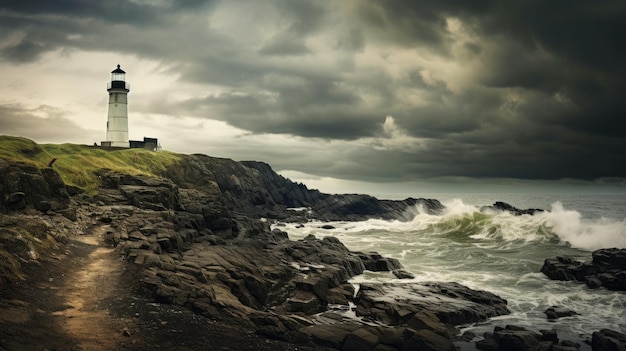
(117, 120)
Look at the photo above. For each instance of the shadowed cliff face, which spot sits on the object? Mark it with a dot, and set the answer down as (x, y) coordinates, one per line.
(26, 186)
(248, 188)
(216, 193)
(253, 189)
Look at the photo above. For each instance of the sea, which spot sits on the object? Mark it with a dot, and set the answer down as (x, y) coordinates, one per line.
(502, 253)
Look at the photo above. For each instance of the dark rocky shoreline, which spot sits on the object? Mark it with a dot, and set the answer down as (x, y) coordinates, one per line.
(198, 240)
(607, 269)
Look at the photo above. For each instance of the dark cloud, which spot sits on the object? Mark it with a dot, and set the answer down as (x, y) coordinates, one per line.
(40, 26)
(521, 89)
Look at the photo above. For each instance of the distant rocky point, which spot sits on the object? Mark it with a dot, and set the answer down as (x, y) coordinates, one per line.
(505, 207)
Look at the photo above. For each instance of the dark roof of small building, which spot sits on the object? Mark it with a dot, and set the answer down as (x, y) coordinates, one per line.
(118, 70)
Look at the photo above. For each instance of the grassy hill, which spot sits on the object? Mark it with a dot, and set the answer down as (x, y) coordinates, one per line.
(77, 163)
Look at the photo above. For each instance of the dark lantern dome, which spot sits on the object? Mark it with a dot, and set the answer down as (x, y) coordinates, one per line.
(118, 70)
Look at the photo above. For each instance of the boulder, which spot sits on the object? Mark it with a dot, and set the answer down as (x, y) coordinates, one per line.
(612, 258)
(608, 340)
(377, 263)
(607, 269)
(556, 312)
(402, 274)
(451, 303)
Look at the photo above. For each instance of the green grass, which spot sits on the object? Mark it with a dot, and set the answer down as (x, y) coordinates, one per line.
(77, 164)
(22, 150)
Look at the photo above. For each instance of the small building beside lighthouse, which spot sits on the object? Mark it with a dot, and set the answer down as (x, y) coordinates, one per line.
(117, 118)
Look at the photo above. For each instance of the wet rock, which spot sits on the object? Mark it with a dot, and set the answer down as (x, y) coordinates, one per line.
(354, 207)
(607, 269)
(610, 258)
(608, 340)
(505, 207)
(556, 312)
(451, 303)
(402, 274)
(377, 263)
(280, 234)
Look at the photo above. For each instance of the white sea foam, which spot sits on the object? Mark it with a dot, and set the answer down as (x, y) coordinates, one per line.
(490, 229)
(585, 234)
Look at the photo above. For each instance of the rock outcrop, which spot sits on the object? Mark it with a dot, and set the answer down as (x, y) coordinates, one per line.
(253, 189)
(405, 317)
(607, 269)
(608, 340)
(353, 207)
(248, 188)
(24, 186)
(505, 207)
(444, 303)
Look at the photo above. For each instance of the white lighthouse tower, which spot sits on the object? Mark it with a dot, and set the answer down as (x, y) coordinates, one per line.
(117, 120)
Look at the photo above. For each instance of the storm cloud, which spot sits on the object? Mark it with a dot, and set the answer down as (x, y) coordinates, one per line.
(358, 89)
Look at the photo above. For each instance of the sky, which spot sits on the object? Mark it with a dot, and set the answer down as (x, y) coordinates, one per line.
(344, 96)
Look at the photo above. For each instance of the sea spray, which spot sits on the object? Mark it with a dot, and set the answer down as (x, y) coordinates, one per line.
(583, 233)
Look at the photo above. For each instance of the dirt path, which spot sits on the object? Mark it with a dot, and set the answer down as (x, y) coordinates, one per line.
(68, 302)
(96, 280)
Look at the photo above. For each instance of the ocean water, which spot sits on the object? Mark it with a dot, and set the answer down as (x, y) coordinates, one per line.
(502, 253)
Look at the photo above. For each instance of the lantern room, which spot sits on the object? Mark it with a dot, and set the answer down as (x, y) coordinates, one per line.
(118, 77)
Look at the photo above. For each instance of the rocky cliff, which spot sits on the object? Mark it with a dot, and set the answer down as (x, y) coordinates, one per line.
(199, 236)
(253, 189)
